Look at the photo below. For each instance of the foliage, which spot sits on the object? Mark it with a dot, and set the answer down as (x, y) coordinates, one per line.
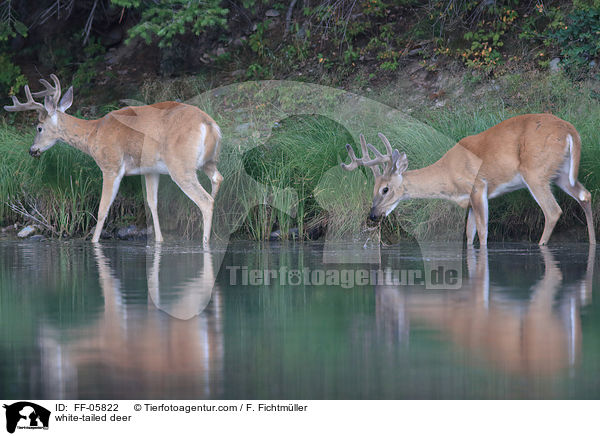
(257, 71)
(487, 39)
(11, 78)
(10, 26)
(167, 19)
(256, 41)
(578, 39)
(86, 71)
(328, 38)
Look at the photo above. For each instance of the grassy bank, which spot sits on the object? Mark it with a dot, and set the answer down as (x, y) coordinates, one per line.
(61, 190)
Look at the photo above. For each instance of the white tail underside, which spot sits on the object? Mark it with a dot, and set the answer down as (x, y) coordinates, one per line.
(571, 163)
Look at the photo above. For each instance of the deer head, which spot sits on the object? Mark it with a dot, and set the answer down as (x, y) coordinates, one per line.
(49, 113)
(389, 189)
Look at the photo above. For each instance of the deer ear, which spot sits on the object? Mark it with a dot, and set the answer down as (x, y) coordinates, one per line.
(49, 105)
(66, 101)
(399, 162)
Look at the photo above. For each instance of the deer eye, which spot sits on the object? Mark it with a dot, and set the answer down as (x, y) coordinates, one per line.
(40, 129)
(385, 190)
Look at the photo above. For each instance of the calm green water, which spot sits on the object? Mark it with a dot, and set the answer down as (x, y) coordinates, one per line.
(120, 321)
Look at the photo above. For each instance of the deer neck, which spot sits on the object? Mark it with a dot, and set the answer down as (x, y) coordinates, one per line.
(431, 182)
(76, 132)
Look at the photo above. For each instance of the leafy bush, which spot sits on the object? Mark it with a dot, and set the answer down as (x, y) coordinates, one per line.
(167, 19)
(86, 72)
(11, 79)
(579, 39)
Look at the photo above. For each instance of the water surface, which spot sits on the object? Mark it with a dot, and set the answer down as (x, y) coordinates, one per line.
(126, 320)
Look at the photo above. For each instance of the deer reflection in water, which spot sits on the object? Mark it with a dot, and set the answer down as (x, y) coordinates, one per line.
(541, 335)
(145, 353)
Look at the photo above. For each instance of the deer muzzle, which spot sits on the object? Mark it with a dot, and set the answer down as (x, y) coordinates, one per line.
(35, 152)
(373, 216)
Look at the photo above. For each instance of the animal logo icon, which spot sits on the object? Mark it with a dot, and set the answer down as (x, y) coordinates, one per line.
(24, 414)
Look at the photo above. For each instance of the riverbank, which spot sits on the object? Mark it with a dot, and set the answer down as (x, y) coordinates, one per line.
(60, 192)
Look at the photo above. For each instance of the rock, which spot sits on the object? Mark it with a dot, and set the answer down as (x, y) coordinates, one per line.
(10, 229)
(103, 234)
(272, 13)
(206, 58)
(27, 231)
(239, 41)
(128, 233)
(132, 233)
(113, 36)
(275, 236)
(37, 238)
(111, 56)
(242, 128)
(315, 233)
(554, 65)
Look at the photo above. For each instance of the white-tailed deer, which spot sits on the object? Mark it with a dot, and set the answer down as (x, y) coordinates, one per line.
(526, 151)
(162, 138)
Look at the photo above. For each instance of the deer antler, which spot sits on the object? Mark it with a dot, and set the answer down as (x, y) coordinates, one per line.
(54, 91)
(371, 163)
(30, 104)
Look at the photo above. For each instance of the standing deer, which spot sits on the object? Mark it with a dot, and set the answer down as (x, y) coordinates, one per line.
(526, 151)
(162, 138)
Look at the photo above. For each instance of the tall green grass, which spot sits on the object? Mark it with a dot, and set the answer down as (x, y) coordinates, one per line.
(300, 151)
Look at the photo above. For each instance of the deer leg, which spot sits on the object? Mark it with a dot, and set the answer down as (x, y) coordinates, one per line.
(542, 194)
(210, 169)
(193, 189)
(110, 187)
(479, 206)
(471, 227)
(152, 199)
(584, 198)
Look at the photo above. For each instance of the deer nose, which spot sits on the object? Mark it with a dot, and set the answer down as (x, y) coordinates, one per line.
(372, 215)
(34, 152)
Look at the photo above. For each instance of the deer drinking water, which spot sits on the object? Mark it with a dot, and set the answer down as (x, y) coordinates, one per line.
(163, 138)
(526, 151)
